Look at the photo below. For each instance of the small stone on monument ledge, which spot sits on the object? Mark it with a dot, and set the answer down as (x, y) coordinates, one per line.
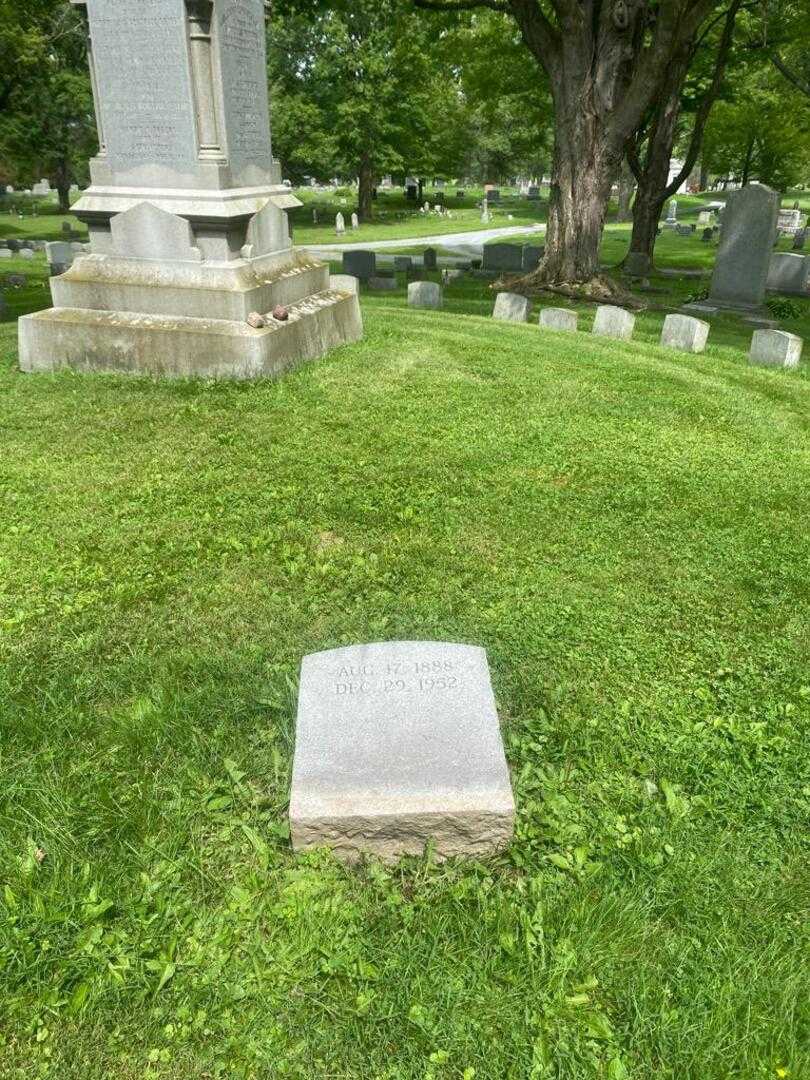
(256, 320)
(280, 313)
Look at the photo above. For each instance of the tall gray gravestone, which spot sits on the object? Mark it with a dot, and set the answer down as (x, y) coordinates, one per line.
(186, 210)
(398, 745)
(744, 255)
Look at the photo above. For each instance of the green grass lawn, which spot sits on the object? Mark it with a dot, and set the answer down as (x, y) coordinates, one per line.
(623, 528)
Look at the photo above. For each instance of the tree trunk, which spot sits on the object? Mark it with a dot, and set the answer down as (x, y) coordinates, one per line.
(749, 157)
(63, 185)
(584, 168)
(704, 177)
(365, 203)
(627, 184)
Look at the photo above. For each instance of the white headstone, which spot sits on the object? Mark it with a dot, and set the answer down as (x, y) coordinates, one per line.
(340, 224)
(614, 322)
(398, 745)
(775, 348)
(355, 221)
(511, 307)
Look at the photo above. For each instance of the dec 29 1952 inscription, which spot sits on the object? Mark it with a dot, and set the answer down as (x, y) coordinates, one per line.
(398, 744)
(142, 67)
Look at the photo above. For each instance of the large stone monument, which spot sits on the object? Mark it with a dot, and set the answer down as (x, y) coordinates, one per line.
(744, 255)
(398, 745)
(186, 209)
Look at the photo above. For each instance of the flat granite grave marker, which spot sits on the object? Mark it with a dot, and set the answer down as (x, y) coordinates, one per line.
(397, 745)
(186, 211)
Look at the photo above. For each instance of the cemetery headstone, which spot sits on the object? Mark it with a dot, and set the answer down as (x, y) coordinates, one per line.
(799, 240)
(344, 283)
(614, 322)
(552, 318)
(398, 745)
(533, 194)
(672, 213)
(775, 348)
(186, 210)
(355, 221)
(637, 264)
(744, 255)
(382, 284)
(429, 258)
(510, 307)
(425, 294)
(340, 224)
(27, 253)
(60, 257)
(683, 230)
(503, 257)
(5, 253)
(402, 263)
(789, 273)
(685, 333)
(532, 257)
(708, 236)
(494, 195)
(360, 264)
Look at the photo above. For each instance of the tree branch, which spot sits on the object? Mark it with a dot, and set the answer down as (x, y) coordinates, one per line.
(462, 5)
(708, 99)
(791, 76)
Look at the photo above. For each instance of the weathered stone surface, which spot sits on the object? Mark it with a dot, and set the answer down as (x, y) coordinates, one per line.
(360, 264)
(256, 320)
(177, 347)
(685, 333)
(186, 214)
(344, 283)
(268, 232)
(429, 259)
(5, 253)
(498, 257)
(532, 257)
(789, 273)
(775, 348)
(398, 745)
(509, 307)
(60, 256)
(26, 253)
(383, 284)
(147, 232)
(746, 245)
(424, 294)
(614, 322)
(553, 318)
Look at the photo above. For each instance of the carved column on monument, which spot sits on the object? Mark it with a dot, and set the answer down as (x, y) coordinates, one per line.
(208, 107)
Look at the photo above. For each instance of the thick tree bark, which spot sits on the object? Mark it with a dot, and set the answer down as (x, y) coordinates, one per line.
(605, 61)
(63, 185)
(365, 203)
(627, 186)
(582, 176)
(654, 187)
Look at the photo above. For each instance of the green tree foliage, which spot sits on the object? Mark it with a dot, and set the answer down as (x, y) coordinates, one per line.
(47, 128)
(760, 133)
(359, 89)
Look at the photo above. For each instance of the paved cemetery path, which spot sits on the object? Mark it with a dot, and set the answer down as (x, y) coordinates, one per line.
(465, 243)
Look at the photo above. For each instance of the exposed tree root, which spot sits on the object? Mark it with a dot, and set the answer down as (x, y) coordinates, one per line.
(601, 289)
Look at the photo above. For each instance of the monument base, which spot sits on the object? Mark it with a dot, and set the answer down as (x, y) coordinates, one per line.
(181, 347)
(757, 316)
